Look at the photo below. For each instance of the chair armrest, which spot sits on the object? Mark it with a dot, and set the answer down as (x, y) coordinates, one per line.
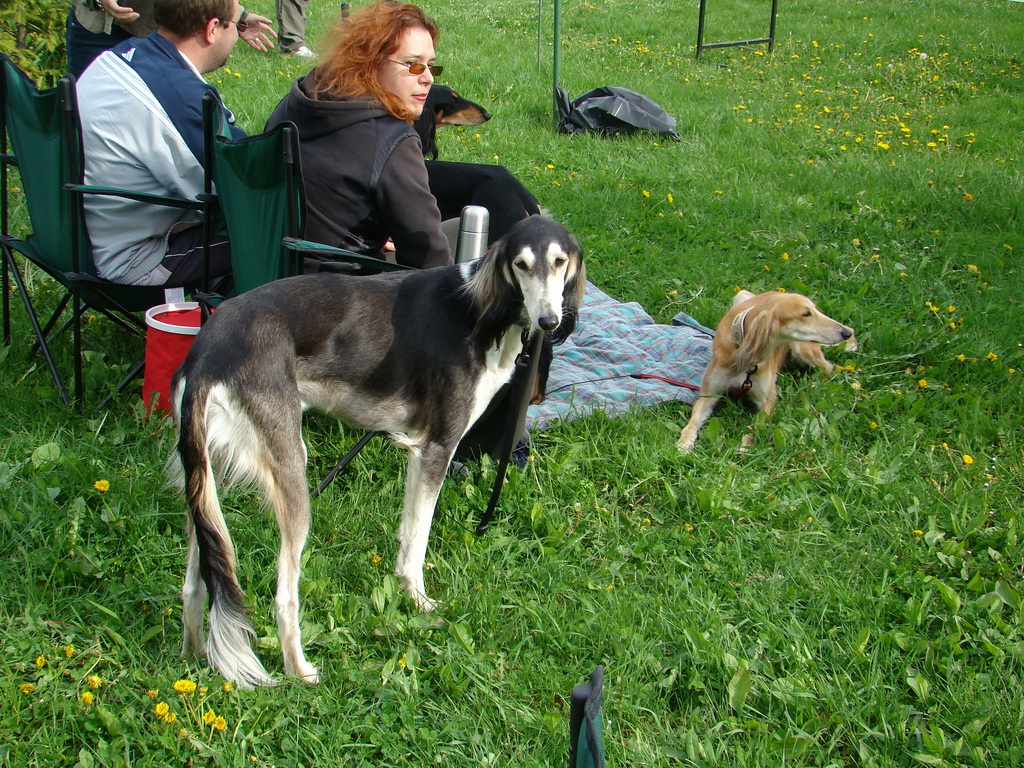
(340, 254)
(141, 197)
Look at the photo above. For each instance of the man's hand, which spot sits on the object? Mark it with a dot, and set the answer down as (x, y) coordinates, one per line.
(119, 12)
(259, 32)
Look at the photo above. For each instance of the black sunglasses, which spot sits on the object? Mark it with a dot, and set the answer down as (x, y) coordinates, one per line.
(242, 24)
(415, 68)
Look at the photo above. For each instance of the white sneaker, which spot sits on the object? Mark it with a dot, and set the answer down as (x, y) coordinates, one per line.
(302, 51)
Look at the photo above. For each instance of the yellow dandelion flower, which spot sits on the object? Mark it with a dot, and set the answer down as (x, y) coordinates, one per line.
(645, 522)
(402, 662)
(968, 459)
(687, 527)
(972, 268)
(992, 357)
(882, 145)
(670, 198)
(27, 688)
(40, 661)
(968, 196)
(93, 681)
(227, 687)
(951, 309)
(961, 357)
(785, 257)
(102, 485)
(88, 698)
(161, 709)
(918, 532)
(873, 425)
(203, 690)
(922, 383)
(719, 192)
(220, 723)
(170, 717)
(184, 686)
(69, 651)
(153, 694)
(376, 559)
(645, 193)
(550, 167)
(209, 716)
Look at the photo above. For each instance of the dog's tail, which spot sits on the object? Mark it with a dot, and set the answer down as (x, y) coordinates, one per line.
(229, 645)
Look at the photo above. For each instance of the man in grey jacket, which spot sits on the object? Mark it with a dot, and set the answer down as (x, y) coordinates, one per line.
(141, 108)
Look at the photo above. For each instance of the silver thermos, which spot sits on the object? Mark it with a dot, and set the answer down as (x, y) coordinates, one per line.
(473, 226)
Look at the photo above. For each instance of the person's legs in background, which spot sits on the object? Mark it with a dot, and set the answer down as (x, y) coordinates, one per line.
(83, 46)
(291, 27)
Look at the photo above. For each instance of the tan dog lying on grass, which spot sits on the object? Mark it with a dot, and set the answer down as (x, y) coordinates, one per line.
(758, 336)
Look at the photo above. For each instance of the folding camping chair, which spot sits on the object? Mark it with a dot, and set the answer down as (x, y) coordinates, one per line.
(586, 732)
(255, 185)
(46, 146)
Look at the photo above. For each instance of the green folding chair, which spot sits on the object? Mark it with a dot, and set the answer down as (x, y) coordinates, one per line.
(586, 740)
(45, 143)
(254, 188)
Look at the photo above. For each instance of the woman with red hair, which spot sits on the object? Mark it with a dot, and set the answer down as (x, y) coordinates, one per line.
(362, 162)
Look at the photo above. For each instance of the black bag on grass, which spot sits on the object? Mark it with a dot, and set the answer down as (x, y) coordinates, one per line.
(610, 109)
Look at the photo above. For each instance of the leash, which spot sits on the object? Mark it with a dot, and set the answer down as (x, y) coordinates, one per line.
(522, 387)
(673, 382)
(665, 379)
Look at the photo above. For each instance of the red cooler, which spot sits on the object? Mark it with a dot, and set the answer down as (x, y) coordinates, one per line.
(170, 329)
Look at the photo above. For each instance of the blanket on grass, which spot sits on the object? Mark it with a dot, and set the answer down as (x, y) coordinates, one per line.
(599, 367)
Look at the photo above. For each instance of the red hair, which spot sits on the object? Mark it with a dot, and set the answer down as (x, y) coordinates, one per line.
(360, 44)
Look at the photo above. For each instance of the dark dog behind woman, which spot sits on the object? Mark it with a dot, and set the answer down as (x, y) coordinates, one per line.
(362, 164)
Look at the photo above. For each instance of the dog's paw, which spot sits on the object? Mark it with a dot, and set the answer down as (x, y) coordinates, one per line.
(307, 673)
(686, 442)
(426, 605)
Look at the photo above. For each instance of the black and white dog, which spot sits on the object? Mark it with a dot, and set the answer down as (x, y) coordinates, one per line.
(416, 354)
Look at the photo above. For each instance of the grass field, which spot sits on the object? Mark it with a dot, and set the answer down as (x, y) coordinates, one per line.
(846, 594)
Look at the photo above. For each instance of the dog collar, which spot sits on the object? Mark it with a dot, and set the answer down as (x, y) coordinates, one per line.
(737, 326)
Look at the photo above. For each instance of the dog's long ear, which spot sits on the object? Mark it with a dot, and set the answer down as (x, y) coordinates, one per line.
(572, 293)
(760, 332)
(494, 292)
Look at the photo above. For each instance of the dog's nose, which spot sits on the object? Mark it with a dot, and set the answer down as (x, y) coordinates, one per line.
(846, 333)
(548, 322)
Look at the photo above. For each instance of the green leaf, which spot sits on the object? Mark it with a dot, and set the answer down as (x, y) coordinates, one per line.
(739, 687)
(1007, 595)
(108, 721)
(697, 640)
(861, 643)
(919, 685)
(948, 594)
(46, 454)
(461, 633)
(926, 759)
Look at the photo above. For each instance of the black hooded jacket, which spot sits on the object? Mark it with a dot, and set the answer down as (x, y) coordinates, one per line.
(364, 178)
